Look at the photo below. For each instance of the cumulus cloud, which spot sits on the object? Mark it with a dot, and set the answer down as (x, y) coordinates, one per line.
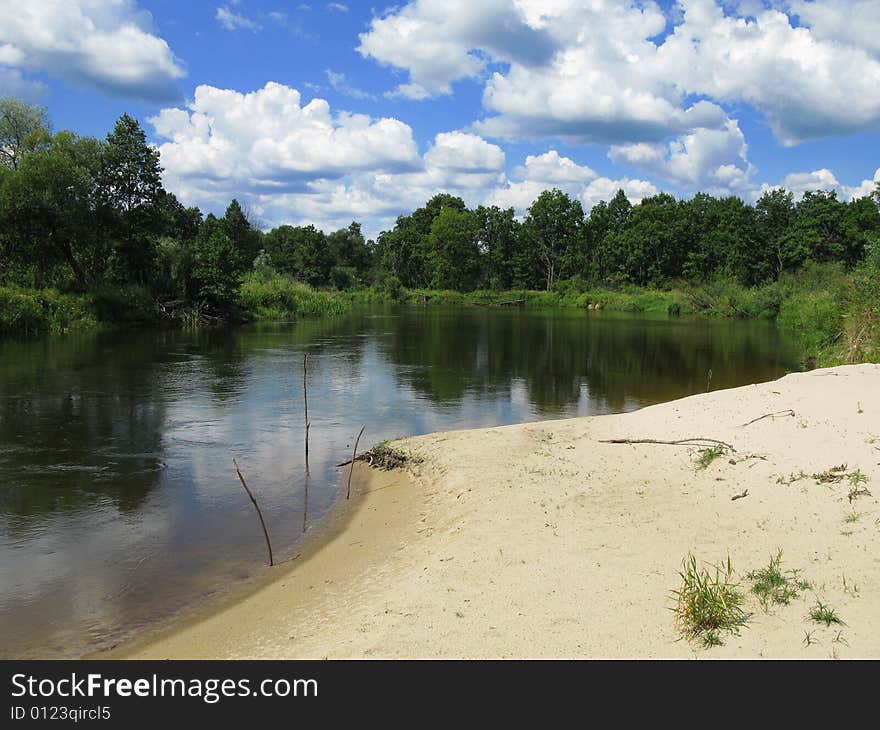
(552, 170)
(435, 41)
(850, 22)
(808, 87)
(612, 73)
(269, 138)
(711, 160)
(301, 162)
(108, 45)
(824, 179)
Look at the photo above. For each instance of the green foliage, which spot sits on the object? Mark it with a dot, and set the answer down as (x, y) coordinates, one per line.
(553, 231)
(278, 296)
(45, 311)
(453, 253)
(217, 271)
(129, 186)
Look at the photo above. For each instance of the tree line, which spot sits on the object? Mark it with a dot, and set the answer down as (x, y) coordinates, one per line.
(90, 215)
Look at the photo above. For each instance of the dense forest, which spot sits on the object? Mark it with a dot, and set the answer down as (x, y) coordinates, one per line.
(88, 233)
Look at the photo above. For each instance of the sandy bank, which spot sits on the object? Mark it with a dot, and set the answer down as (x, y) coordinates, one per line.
(536, 540)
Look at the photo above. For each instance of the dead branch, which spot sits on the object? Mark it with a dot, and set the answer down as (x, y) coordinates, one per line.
(257, 508)
(787, 412)
(306, 404)
(696, 441)
(353, 459)
(745, 493)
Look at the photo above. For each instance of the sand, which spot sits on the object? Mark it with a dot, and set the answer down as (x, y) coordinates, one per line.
(537, 540)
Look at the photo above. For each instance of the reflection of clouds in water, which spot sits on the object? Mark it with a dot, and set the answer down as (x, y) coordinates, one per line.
(63, 559)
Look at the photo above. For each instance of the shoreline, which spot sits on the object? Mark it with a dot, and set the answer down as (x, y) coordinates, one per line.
(538, 541)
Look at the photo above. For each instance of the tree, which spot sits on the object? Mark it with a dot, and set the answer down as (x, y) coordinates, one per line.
(217, 270)
(497, 240)
(454, 254)
(130, 186)
(48, 205)
(244, 236)
(553, 228)
(404, 251)
(349, 250)
(301, 251)
(22, 128)
(774, 213)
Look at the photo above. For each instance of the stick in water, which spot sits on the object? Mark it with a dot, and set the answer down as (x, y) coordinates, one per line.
(306, 503)
(353, 458)
(256, 507)
(306, 404)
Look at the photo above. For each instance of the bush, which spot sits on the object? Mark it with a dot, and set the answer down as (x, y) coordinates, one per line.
(278, 296)
(43, 311)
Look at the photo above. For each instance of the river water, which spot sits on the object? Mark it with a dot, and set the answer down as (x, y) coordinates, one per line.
(118, 500)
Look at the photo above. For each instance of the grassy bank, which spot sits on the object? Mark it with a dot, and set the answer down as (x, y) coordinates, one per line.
(832, 315)
(44, 311)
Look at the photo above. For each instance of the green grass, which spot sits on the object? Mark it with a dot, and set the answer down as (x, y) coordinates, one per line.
(773, 585)
(44, 311)
(708, 604)
(279, 297)
(822, 613)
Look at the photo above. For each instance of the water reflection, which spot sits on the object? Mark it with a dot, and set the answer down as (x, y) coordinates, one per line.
(118, 500)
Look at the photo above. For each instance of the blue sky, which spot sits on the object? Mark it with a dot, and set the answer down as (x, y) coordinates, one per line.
(330, 112)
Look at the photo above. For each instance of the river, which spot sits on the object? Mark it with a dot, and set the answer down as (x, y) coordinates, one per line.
(119, 504)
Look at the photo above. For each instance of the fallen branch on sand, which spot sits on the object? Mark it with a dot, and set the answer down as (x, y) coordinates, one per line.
(696, 441)
(788, 412)
(743, 494)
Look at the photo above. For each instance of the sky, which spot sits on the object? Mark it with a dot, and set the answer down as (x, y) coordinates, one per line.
(324, 113)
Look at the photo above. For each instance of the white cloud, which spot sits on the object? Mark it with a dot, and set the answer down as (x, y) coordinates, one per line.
(711, 160)
(337, 7)
(552, 170)
(865, 188)
(109, 45)
(433, 40)
(808, 87)
(267, 138)
(235, 21)
(823, 179)
(460, 152)
(850, 22)
(603, 188)
(605, 72)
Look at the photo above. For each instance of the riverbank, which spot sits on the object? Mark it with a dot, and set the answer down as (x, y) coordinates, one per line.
(830, 315)
(539, 540)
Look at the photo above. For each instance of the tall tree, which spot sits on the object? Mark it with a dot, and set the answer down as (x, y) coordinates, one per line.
(454, 253)
(553, 228)
(498, 238)
(130, 186)
(774, 214)
(243, 234)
